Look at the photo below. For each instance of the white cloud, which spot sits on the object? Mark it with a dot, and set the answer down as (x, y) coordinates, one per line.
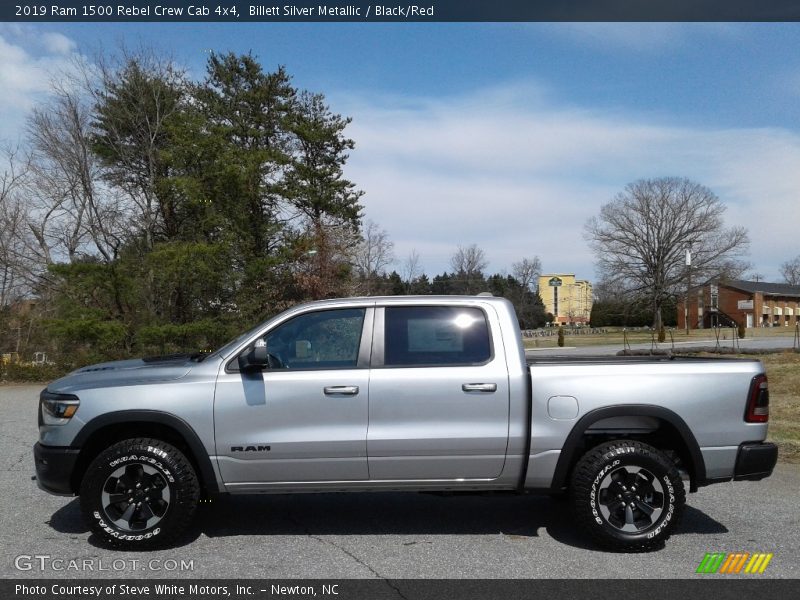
(29, 60)
(58, 43)
(519, 174)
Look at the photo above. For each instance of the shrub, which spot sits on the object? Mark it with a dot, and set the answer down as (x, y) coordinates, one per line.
(561, 337)
(742, 331)
(16, 372)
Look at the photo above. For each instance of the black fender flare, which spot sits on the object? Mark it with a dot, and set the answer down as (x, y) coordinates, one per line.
(170, 420)
(697, 469)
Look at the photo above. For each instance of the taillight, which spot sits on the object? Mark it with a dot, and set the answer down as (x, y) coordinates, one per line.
(758, 402)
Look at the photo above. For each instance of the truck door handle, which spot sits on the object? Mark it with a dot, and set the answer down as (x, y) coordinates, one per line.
(341, 390)
(479, 387)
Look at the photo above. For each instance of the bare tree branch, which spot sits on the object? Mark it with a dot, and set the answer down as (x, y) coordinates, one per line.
(790, 270)
(412, 268)
(468, 264)
(14, 260)
(469, 260)
(73, 213)
(12, 225)
(527, 271)
(640, 239)
(373, 254)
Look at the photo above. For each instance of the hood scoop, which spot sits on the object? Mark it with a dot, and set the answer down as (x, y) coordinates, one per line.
(178, 357)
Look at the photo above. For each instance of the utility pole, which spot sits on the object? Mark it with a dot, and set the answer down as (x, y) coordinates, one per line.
(688, 286)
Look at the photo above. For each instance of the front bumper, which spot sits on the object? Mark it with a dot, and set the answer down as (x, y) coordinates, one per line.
(54, 467)
(755, 461)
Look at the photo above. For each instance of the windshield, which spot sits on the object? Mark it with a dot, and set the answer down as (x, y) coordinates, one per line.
(228, 348)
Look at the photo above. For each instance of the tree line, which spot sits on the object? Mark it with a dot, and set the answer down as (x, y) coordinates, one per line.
(147, 212)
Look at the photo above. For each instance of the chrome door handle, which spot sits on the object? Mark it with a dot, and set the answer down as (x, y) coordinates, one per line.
(341, 390)
(479, 387)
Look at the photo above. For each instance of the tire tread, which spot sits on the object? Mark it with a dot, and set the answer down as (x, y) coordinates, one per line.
(584, 474)
(186, 491)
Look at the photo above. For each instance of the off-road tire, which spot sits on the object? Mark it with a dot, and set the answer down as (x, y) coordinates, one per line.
(119, 512)
(608, 505)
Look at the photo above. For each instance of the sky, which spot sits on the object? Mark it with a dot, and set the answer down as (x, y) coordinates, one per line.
(509, 136)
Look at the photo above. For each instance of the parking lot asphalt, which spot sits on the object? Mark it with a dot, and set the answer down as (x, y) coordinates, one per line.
(383, 535)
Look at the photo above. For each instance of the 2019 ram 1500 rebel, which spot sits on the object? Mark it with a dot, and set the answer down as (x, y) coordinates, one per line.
(400, 393)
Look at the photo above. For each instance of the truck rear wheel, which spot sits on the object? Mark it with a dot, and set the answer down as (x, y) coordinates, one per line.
(139, 494)
(628, 496)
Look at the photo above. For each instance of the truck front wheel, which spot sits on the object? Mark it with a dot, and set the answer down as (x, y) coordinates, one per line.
(627, 495)
(139, 494)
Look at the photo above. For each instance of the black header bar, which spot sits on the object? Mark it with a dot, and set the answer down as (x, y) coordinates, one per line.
(276, 11)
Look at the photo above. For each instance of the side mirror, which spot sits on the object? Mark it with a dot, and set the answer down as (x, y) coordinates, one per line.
(256, 358)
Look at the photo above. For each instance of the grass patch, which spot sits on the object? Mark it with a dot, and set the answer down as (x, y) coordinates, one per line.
(783, 372)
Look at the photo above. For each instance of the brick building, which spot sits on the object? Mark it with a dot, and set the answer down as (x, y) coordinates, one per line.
(754, 303)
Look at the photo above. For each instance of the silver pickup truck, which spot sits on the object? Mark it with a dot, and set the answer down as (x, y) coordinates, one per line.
(399, 393)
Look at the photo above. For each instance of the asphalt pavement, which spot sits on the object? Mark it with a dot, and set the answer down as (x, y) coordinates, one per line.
(383, 535)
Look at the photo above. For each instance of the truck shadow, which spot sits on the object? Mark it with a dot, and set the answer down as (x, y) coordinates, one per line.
(388, 513)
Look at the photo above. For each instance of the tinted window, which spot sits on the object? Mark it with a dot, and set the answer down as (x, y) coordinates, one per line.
(433, 335)
(319, 340)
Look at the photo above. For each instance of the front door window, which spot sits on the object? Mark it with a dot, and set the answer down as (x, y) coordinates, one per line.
(320, 340)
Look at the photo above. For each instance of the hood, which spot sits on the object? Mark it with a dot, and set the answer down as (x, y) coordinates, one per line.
(125, 372)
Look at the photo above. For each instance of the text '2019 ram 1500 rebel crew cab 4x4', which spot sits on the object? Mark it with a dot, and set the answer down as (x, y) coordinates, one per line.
(401, 393)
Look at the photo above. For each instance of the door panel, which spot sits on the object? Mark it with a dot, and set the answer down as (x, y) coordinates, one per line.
(436, 421)
(311, 436)
(304, 421)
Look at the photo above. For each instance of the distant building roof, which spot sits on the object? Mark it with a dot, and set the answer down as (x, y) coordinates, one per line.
(771, 289)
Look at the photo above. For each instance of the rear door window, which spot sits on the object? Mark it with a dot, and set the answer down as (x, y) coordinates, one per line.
(424, 336)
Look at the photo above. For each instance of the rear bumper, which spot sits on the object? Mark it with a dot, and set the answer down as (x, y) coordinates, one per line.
(54, 467)
(755, 461)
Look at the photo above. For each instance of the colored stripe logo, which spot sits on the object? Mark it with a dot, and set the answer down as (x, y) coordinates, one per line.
(734, 563)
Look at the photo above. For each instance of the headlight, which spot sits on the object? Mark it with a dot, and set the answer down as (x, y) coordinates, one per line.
(57, 409)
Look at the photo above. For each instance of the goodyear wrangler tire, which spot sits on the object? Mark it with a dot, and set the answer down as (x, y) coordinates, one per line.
(627, 495)
(139, 494)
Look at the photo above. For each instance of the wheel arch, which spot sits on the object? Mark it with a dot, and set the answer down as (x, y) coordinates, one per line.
(682, 440)
(109, 428)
